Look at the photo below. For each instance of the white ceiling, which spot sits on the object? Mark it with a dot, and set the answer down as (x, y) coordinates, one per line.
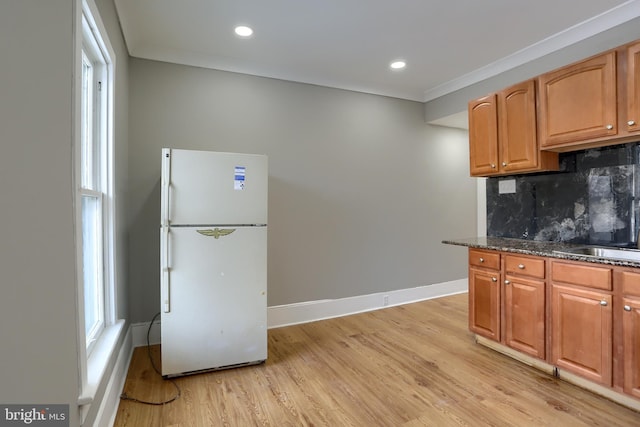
(348, 44)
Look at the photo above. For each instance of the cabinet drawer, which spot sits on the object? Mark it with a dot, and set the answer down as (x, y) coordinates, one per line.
(484, 259)
(630, 282)
(524, 266)
(581, 275)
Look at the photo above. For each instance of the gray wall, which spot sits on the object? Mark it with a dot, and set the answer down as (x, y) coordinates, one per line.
(38, 263)
(39, 345)
(362, 191)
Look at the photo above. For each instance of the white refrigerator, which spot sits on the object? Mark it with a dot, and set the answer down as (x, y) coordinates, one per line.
(213, 256)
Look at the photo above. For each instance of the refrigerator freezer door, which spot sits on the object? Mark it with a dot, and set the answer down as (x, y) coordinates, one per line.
(217, 292)
(205, 187)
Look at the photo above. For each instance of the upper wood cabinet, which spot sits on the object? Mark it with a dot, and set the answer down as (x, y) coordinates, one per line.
(591, 103)
(579, 102)
(502, 133)
(483, 136)
(632, 117)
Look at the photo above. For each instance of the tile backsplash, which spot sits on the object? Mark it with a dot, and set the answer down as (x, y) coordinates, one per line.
(594, 199)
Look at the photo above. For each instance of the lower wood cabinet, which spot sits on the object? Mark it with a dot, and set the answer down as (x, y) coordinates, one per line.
(631, 345)
(484, 293)
(524, 304)
(524, 315)
(580, 317)
(582, 332)
(507, 300)
(627, 316)
(582, 320)
(484, 303)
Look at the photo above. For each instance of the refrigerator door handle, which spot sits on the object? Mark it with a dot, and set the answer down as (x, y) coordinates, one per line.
(165, 293)
(165, 189)
(166, 186)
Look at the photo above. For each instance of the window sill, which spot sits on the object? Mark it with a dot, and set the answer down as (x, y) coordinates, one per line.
(99, 359)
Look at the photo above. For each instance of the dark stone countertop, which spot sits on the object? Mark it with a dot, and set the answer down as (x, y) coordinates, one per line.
(531, 247)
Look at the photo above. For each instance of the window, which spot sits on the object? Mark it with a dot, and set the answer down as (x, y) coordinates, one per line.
(95, 196)
(98, 329)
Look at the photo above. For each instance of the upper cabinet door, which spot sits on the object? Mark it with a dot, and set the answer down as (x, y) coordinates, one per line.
(502, 133)
(483, 136)
(633, 88)
(517, 121)
(579, 102)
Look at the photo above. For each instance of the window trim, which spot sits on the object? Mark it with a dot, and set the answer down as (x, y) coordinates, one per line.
(92, 362)
(98, 181)
(94, 175)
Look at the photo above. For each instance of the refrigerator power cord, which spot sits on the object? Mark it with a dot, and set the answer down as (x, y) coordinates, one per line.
(124, 395)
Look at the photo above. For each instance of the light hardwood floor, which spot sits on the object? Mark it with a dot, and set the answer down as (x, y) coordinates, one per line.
(412, 365)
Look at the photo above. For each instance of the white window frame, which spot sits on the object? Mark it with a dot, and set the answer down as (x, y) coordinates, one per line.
(93, 355)
(95, 176)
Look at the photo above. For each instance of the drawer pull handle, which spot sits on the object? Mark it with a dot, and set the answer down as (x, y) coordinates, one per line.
(481, 259)
(631, 122)
(604, 303)
(521, 266)
(506, 282)
(627, 308)
(494, 279)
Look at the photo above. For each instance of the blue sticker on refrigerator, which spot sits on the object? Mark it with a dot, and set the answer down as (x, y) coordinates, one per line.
(239, 176)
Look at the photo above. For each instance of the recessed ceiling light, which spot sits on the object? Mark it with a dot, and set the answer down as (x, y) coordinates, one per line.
(243, 31)
(398, 65)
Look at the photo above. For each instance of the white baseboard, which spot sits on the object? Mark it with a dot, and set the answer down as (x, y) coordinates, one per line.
(139, 333)
(293, 314)
(310, 311)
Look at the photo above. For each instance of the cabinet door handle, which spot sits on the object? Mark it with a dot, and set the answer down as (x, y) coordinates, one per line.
(604, 303)
(493, 166)
(631, 122)
(609, 127)
(521, 266)
(506, 282)
(627, 308)
(504, 163)
(481, 259)
(493, 279)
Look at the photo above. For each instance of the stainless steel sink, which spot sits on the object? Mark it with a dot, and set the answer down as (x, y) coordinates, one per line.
(603, 252)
